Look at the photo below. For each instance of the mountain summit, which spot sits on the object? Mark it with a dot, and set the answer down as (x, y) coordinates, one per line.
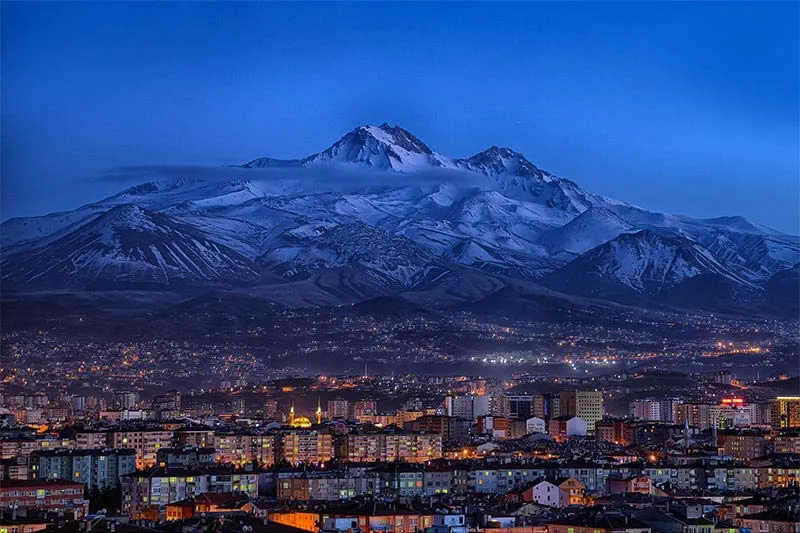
(496, 161)
(383, 147)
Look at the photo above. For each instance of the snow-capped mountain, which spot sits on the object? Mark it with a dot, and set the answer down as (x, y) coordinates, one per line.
(515, 176)
(757, 257)
(129, 245)
(591, 228)
(383, 147)
(644, 263)
(380, 213)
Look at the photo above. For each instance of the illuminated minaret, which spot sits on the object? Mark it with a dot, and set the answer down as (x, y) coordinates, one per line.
(291, 414)
(319, 411)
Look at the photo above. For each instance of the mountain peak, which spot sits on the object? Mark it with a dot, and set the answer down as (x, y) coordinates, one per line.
(395, 136)
(383, 147)
(499, 160)
(128, 215)
(501, 151)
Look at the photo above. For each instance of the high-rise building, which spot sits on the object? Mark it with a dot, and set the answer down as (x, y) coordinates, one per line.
(89, 439)
(732, 412)
(449, 427)
(695, 414)
(612, 430)
(145, 442)
(363, 409)
(789, 443)
(126, 399)
(397, 447)
(499, 405)
(338, 408)
(785, 412)
(460, 407)
(194, 437)
(270, 408)
(149, 490)
(649, 409)
(79, 404)
(668, 407)
(538, 408)
(520, 406)
(552, 405)
(743, 445)
(586, 405)
(646, 410)
(101, 468)
(242, 449)
(481, 405)
(306, 446)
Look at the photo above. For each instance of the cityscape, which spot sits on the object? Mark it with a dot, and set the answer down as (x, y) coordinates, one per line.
(571, 433)
(239, 293)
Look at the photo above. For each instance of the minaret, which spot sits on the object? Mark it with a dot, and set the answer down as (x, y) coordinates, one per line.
(319, 411)
(714, 432)
(685, 434)
(291, 414)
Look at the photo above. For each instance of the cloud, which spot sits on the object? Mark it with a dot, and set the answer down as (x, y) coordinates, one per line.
(290, 181)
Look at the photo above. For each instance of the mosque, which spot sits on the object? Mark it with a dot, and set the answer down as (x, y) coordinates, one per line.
(302, 421)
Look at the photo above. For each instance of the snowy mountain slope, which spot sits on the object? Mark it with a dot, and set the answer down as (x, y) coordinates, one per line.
(381, 204)
(644, 263)
(755, 252)
(756, 257)
(247, 238)
(396, 257)
(591, 228)
(516, 177)
(129, 245)
(26, 231)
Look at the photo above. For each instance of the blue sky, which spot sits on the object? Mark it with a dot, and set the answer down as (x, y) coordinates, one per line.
(683, 107)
